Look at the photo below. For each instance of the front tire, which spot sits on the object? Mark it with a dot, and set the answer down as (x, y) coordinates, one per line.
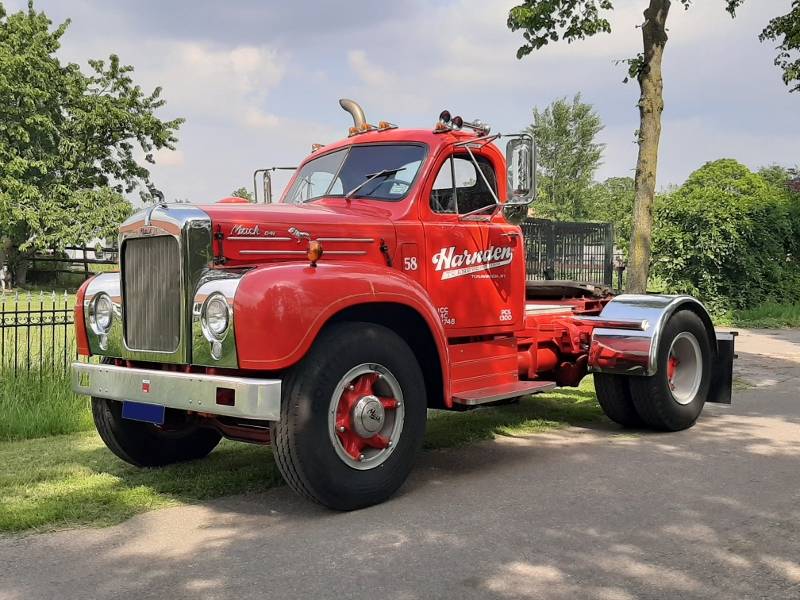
(353, 417)
(145, 445)
(673, 398)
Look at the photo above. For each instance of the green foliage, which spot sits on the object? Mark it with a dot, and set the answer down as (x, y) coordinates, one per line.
(786, 29)
(770, 315)
(69, 140)
(242, 192)
(40, 403)
(568, 156)
(729, 237)
(612, 202)
(546, 21)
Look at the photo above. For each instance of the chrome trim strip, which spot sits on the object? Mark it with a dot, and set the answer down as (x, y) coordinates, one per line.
(343, 239)
(628, 324)
(269, 252)
(304, 252)
(240, 238)
(255, 398)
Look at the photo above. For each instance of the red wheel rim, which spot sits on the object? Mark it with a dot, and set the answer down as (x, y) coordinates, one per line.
(366, 416)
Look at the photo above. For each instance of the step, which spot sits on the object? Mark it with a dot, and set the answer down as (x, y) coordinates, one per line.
(501, 392)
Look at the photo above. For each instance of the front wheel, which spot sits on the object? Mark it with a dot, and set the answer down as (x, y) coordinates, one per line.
(352, 417)
(674, 397)
(145, 445)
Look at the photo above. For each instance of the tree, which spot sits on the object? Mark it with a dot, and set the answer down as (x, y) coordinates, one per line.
(69, 140)
(568, 155)
(788, 59)
(612, 202)
(546, 21)
(728, 236)
(242, 192)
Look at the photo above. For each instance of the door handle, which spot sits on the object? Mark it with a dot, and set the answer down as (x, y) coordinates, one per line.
(510, 234)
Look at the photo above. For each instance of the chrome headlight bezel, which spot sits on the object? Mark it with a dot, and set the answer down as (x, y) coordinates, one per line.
(217, 302)
(101, 313)
(211, 349)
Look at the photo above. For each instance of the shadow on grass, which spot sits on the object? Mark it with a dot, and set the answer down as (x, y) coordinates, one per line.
(70, 480)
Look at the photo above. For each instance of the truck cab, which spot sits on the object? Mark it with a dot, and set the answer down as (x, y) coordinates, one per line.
(389, 279)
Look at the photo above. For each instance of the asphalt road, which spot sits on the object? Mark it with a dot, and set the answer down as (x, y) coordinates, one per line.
(713, 512)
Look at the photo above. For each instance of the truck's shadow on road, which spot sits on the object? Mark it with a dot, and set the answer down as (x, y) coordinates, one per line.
(592, 511)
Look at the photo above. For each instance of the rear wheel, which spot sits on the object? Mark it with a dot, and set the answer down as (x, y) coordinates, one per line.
(352, 417)
(146, 445)
(674, 397)
(614, 396)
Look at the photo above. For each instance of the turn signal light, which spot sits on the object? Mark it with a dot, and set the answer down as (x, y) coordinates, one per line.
(226, 396)
(314, 252)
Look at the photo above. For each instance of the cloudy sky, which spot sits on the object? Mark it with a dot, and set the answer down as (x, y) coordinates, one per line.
(258, 80)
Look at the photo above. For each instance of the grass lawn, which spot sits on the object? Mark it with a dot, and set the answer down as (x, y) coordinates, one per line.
(40, 403)
(73, 480)
(770, 316)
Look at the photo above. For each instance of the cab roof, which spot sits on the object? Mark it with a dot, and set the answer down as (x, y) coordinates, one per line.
(434, 140)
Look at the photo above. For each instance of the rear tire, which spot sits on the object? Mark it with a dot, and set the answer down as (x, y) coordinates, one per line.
(143, 444)
(673, 398)
(614, 396)
(321, 445)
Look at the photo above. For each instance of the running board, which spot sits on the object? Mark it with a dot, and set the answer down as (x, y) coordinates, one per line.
(501, 392)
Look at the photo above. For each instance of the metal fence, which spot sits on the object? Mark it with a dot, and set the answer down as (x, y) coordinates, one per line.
(566, 250)
(75, 260)
(36, 333)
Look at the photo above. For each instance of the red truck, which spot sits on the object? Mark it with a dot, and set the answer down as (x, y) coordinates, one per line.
(388, 280)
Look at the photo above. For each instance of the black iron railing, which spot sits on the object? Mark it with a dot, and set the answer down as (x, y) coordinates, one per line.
(581, 252)
(36, 333)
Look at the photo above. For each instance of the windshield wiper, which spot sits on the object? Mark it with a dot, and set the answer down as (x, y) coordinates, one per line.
(371, 177)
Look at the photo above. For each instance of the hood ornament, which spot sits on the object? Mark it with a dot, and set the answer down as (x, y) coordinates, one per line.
(299, 235)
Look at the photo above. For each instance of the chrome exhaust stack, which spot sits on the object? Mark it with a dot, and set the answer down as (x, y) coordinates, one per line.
(351, 106)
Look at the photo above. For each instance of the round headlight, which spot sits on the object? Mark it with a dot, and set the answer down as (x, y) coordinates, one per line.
(216, 317)
(102, 313)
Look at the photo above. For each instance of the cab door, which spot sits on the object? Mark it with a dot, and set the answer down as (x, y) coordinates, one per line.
(475, 264)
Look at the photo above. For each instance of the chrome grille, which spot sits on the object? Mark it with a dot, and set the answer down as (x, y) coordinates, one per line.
(152, 293)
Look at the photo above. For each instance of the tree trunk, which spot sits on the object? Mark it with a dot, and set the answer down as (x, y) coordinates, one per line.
(651, 105)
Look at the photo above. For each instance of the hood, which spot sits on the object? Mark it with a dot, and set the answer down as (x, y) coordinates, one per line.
(279, 232)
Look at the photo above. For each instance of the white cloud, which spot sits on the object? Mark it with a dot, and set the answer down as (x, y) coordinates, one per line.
(170, 158)
(260, 97)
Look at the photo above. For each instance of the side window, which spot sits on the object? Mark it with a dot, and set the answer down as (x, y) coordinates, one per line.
(460, 185)
(442, 197)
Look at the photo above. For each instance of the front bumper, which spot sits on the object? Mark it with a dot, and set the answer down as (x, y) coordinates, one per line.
(254, 398)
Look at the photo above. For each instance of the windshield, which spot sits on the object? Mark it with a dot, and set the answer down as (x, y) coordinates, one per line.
(380, 171)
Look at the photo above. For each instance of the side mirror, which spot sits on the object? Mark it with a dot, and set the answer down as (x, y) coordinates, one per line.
(521, 177)
(521, 169)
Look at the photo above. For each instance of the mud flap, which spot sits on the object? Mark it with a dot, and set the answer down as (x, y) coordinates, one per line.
(722, 369)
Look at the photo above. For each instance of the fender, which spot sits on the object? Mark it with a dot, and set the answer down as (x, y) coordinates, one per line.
(79, 318)
(280, 309)
(631, 347)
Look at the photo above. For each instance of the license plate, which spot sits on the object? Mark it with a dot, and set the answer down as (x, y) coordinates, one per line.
(149, 413)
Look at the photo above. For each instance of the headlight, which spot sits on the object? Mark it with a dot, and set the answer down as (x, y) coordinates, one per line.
(215, 317)
(102, 313)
